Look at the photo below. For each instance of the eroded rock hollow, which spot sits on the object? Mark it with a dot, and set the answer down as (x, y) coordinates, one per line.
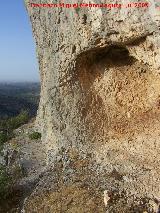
(99, 107)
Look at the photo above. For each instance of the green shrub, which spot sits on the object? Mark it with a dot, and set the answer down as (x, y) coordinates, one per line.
(15, 122)
(3, 137)
(8, 125)
(5, 181)
(35, 136)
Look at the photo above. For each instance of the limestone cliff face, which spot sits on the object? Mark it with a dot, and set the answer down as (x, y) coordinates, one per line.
(100, 90)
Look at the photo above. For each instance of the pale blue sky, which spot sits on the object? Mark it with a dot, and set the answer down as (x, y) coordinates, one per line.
(17, 49)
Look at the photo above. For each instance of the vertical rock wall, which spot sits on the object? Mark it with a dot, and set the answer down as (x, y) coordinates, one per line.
(71, 44)
(100, 87)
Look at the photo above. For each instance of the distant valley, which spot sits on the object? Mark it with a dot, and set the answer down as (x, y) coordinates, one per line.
(17, 97)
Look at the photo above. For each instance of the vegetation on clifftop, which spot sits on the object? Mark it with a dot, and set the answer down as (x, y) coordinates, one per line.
(8, 125)
(35, 136)
(5, 180)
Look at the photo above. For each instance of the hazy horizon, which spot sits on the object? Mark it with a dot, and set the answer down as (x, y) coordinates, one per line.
(17, 53)
(19, 82)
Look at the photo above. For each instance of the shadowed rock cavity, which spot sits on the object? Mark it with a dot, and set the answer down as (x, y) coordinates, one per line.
(115, 88)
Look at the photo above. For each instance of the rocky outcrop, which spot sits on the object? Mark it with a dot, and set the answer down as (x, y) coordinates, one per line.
(100, 99)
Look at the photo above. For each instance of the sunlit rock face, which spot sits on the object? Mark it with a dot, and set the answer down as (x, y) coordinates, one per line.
(100, 89)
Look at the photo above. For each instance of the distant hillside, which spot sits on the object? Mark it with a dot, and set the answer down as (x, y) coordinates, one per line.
(15, 97)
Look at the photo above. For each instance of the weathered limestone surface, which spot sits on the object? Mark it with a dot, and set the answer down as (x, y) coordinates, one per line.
(100, 97)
